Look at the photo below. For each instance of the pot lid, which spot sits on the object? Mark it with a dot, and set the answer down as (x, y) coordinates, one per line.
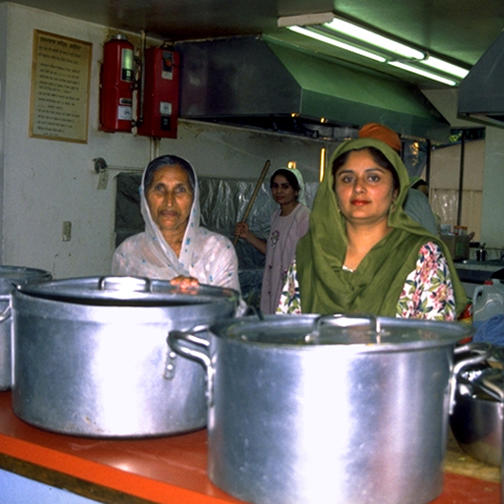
(126, 290)
(363, 332)
(10, 276)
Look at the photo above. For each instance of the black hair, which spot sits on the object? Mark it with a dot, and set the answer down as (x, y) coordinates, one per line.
(379, 158)
(289, 175)
(167, 160)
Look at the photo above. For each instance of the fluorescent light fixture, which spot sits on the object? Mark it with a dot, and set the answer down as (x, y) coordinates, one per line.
(421, 72)
(305, 19)
(338, 32)
(444, 66)
(336, 43)
(359, 33)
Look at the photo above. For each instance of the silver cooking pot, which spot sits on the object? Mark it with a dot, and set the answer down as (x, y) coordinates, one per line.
(477, 425)
(477, 420)
(10, 277)
(336, 409)
(90, 355)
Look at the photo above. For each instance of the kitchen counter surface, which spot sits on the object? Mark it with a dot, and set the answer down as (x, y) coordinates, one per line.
(477, 272)
(490, 266)
(169, 469)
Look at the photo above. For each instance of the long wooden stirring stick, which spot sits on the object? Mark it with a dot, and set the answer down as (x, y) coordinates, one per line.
(259, 182)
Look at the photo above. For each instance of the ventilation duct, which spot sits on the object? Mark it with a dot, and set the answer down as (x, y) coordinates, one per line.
(254, 82)
(481, 93)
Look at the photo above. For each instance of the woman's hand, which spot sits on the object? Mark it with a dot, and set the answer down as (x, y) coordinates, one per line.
(184, 283)
(242, 230)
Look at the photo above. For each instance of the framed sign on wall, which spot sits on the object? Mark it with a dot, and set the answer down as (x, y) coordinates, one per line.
(59, 105)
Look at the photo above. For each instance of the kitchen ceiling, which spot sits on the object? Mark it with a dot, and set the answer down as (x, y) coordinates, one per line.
(460, 30)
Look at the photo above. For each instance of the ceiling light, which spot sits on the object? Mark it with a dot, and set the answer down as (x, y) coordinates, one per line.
(336, 43)
(351, 37)
(365, 35)
(423, 73)
(444, 66)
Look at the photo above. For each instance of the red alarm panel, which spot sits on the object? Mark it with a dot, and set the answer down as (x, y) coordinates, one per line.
(160, 107)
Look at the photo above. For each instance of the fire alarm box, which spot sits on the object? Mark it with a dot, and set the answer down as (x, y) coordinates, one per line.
(116, 85)
(159, 99)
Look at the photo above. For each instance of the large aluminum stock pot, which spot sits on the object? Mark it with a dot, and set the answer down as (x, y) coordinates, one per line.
(477, 420)
(10, 277)
(337, 409)
(90, 355)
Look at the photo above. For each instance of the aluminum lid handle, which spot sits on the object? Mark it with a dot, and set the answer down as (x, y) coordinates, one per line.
(124, 284)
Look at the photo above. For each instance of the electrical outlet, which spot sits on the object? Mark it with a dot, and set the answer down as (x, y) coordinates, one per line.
(67, 231)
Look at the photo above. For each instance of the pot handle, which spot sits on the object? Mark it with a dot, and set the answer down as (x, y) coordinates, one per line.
(125, 283)
(5, 314)
(186, 344)
(344, 321)
(177, 341)
(481, 351)
(348, 320)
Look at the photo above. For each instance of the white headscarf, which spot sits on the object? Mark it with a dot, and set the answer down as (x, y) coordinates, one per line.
(174, 265)
(301, 197)
(210, 257)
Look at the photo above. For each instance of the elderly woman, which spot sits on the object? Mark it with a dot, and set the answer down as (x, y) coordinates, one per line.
(363, 253)
(174, 246)
(289, 222)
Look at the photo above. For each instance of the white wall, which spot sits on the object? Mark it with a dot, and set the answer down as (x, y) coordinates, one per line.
(445, 180)
(47, 182)
(492, 222)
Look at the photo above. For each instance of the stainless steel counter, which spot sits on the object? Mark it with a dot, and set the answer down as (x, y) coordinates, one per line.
(473, 273)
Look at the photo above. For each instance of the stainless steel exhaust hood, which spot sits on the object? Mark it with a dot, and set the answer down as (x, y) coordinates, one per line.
(481, 93)
(252, 81)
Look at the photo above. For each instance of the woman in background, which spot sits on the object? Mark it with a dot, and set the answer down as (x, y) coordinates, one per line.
(174, 246)
(288, 224)
(363, 253)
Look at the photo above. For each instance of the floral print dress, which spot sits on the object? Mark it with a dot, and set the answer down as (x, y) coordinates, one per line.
(427, 292)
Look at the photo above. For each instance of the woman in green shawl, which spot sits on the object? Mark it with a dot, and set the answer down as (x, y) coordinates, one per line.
(363, 253)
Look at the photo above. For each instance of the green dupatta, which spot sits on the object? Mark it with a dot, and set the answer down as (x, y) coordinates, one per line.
(377, 283)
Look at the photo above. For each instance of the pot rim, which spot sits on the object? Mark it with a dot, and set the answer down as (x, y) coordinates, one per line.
(126, 290)
(383, 334)
(12, 276)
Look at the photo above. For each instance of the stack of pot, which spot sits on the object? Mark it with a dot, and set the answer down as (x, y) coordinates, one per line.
(477, 420)
(10, 277)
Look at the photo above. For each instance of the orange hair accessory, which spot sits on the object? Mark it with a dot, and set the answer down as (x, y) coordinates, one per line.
(381, 132)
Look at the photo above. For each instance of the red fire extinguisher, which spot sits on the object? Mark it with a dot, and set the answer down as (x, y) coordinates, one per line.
(116, 87)
(159, 99)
